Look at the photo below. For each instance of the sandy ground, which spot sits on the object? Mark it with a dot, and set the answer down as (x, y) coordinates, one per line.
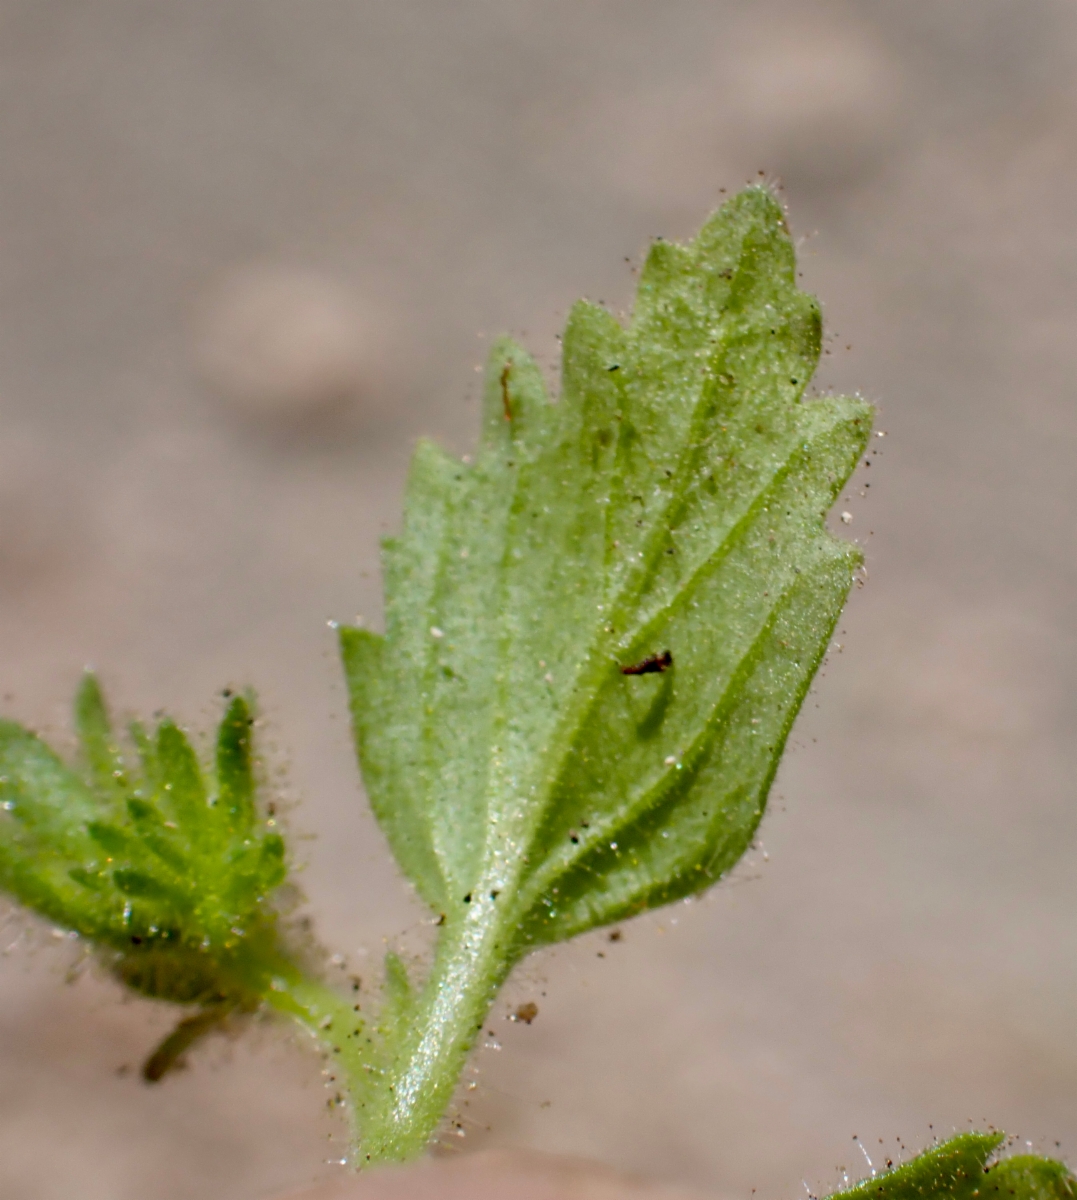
(250, 250)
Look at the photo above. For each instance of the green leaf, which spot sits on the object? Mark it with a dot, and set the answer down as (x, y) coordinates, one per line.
(958, 1170)
(161, 864)
(954, 1169)
(598, 633)
(396, 995)
(1029, 1177)
(383, 738)
(671, 502)
(102, 755)
(235, 775)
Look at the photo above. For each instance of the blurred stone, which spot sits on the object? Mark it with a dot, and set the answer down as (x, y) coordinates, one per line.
(284, 343)
(815, 102)
(41, 523)
(817, 98)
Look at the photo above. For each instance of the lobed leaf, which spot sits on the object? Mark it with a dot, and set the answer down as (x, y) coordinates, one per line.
(665, 515)
(166, 866)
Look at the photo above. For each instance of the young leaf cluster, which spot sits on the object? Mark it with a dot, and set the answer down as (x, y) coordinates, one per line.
(165, 866)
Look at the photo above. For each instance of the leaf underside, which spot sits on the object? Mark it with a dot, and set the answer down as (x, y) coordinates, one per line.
(672, 500)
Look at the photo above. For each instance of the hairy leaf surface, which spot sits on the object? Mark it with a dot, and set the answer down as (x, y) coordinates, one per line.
(958, 1170)
(666, 513)
(166, 865)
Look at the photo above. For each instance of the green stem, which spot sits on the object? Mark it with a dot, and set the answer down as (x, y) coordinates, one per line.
(334, 1021)
(427, 1042)
(398, 1072)
(263, 969)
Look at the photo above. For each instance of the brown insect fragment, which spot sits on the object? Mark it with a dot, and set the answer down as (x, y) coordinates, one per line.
(505, 402)
(614, 935)
(525, 1013)
(652, 665)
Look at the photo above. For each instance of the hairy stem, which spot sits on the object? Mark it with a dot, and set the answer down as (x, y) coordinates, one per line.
(336, 1024)
(396, 1071)
(427, 1037)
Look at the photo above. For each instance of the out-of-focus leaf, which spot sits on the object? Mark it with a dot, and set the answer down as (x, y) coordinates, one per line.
(958, 1170)
(1030, 1177)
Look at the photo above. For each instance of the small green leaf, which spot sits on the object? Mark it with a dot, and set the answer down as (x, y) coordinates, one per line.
(396, 993)
(44, 797)
(182, 790)
(1029, 1177)
(954, 1170)
(102, 754)
(958, 1170)
(235, 776)
(164, 867)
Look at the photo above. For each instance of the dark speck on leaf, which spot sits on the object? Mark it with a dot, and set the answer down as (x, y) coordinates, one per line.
(652, 665)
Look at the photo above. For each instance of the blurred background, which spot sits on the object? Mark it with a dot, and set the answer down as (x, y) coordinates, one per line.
(250, 250)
